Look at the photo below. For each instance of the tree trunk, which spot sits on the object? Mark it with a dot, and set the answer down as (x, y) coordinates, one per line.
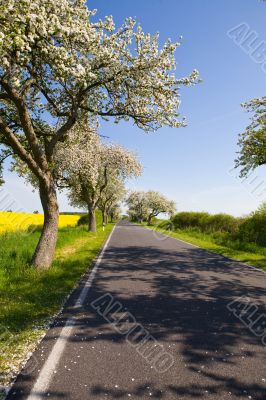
(104, 216)
(44, 252)
(150, 219)
(92, 220)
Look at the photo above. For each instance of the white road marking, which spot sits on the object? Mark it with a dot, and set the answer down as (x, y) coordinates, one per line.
(46, 374)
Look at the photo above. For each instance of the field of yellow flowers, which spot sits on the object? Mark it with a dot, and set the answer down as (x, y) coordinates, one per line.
(13, 221)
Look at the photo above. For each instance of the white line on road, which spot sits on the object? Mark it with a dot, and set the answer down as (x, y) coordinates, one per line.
(43, 381)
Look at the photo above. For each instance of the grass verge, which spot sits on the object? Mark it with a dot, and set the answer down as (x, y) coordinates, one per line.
(29, 299)
(256, 258)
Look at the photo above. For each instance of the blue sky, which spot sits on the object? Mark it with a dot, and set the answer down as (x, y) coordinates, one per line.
(191, 165)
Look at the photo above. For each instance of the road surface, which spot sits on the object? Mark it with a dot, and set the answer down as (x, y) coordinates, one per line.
(155, 323)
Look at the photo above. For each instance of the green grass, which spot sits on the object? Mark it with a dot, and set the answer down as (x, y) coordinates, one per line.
(29, 299)
(244, 252)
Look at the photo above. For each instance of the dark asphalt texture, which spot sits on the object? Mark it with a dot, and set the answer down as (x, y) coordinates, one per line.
(179, 294)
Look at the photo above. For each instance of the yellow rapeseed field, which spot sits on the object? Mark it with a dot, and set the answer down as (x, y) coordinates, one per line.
(13, 221)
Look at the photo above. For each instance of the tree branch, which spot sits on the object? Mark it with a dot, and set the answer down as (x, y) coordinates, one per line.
(27, 126)
(60, 134)
(2, 159)
(52, 103)
(18, 149)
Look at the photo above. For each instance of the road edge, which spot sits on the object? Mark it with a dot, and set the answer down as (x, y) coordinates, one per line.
(208, 251)
(83, 289)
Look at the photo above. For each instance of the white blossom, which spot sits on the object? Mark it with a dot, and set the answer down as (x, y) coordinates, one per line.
(93, 168)
(147, 205)
(59, 47)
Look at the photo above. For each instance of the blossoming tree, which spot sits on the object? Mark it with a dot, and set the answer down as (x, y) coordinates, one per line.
(115, 212)
(55, 64)
(93, 170)
(147, 205)
(252, 141)
(157, 204)
(137, 206)
(112, 195)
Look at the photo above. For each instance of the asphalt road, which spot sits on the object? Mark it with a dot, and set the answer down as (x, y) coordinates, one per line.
(161, 329)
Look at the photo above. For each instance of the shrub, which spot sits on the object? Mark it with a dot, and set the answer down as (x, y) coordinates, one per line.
(84, 219)
(206, 222)
(253, 229)
(222, 223)
(224, 228)
(189, 220)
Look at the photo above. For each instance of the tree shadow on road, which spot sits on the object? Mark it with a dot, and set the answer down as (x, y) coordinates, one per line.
(180, 296)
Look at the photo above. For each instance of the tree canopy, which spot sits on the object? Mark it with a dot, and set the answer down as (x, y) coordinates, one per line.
(93, 170)
(252, 141)
(147, 205)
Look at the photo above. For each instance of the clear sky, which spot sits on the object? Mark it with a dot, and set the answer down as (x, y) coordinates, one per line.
(191, 165)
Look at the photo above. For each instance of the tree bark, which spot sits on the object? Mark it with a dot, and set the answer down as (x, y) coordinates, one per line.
(92, 220)
(44, 252)
(104, 217)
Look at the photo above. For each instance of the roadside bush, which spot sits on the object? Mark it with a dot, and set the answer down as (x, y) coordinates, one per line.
(240, 233)
(206, 222)
(189, 220)
(253, 229)
(84, 219)
(222, 223)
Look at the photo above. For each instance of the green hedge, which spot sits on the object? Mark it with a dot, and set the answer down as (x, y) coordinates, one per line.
(206, 222)
(251, 229)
